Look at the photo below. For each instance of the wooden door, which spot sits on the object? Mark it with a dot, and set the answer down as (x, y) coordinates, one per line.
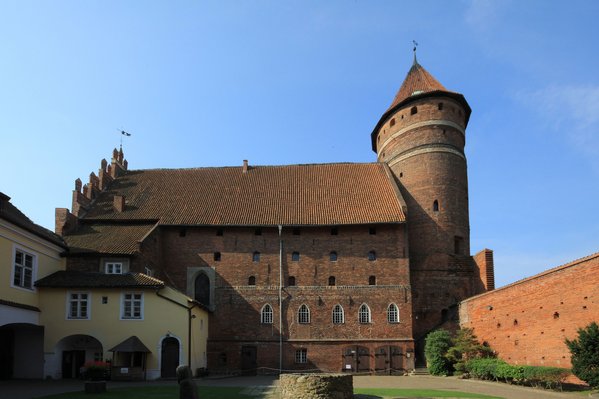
(170, 358)
(248, 360)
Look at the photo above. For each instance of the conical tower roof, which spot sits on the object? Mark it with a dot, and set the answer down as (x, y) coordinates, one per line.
(418, 84)
(417, 81)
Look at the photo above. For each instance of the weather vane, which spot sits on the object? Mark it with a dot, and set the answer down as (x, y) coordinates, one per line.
(123, 133)
(415, 45)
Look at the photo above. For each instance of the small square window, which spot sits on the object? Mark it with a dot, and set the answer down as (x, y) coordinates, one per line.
(217, 256)
(295, 256)
(256, 256)
(372, 231)
(104, 300)
(219, 232)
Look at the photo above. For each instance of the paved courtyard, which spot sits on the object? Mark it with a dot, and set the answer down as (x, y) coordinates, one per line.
(264, 386)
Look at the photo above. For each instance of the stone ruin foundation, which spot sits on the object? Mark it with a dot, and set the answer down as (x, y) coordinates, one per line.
(316, 386)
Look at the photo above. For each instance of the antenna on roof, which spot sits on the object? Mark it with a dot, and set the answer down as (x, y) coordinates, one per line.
(415, 45)
(123, 133)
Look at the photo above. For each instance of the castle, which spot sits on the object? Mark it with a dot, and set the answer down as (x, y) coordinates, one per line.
(335, 267)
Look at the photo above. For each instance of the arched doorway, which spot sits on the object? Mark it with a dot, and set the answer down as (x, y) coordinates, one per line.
(74, 351)
(20, 341)
(169, 355)
(202, 289)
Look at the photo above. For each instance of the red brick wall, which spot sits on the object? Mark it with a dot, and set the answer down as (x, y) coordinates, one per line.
(237, 305)
(441, 276)
(526, 322)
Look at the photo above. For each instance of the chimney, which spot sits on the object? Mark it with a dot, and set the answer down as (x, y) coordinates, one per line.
(119, 203)
(245, 166)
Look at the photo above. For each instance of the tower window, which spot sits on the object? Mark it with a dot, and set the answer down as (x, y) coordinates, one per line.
(371, 256)
(333, 256)
(219, 232)
(372, 231)
(331, 280)
(296, 231)
(458, 243)
(295, 256)
(436, 206)
(440, 106)
(392, 123)
(372, 280)
(258, 232)
(252, 280)
(256, 256)
(334, 231)
(414, 110)
(217, 256)
(291, 281)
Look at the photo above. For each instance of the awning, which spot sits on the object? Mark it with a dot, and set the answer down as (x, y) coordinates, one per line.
(131, 344)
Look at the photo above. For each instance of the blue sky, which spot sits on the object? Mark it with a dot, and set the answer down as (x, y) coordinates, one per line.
(201, 83)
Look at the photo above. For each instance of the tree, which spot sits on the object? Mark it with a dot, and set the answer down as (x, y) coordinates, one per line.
(436, 345)
(585, 354)
(466, 347)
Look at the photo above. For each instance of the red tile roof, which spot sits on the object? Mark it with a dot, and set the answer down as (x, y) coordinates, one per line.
(318, 194)
(418, 81)
(121, 239)
(12, 214)
(76, 279)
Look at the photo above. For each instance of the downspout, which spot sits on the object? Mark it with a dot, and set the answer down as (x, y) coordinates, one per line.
(280, 300)
(189, 317)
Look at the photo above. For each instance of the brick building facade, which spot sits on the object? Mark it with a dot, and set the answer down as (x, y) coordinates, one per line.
(335, 267)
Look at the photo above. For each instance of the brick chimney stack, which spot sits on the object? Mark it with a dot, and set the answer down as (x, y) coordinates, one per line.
(119, 203)
(245, 166)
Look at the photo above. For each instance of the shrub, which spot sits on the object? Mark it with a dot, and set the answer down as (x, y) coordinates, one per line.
(497, 369)
(585, 354)
(436, 345)
(466, 347)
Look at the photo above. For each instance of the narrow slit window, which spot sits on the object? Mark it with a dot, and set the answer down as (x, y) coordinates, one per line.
(436, 206)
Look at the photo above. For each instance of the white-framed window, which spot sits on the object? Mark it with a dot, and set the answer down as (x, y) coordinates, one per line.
(364, 314)
(392, 313)
(266, 314)
(132, 305)
(23, 269)
(301, 355)
(113, 268)
(78, 305)
(303, 314)
(338, 315)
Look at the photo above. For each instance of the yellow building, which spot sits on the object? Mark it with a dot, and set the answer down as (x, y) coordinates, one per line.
(142, 327)
(27, 252)
(53, 321)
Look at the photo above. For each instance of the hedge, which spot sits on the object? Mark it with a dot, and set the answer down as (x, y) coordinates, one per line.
(498, 370)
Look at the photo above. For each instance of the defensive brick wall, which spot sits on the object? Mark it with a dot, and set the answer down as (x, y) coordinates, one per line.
(526, 322)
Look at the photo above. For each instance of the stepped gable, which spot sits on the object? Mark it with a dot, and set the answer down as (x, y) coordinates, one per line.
(315, 194)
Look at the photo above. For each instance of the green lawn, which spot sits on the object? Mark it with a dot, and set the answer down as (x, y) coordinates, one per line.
(172, 392)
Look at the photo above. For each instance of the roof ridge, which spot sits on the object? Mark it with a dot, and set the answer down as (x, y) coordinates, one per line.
(252, 166)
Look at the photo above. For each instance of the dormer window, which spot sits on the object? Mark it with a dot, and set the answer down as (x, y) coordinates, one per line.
(113, 268)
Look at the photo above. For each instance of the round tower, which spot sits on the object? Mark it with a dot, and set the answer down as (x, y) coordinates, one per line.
(421, 137)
